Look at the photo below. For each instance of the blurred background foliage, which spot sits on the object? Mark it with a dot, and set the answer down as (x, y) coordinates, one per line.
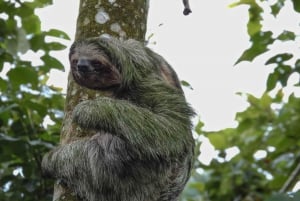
(265, 163)
(27, 102)
(256, 161)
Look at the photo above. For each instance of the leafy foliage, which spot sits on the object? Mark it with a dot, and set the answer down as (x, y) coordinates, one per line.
(266, 140)
(27, 103)
(268, 144)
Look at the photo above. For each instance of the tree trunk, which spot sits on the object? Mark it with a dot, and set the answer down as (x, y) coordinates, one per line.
(122, 19)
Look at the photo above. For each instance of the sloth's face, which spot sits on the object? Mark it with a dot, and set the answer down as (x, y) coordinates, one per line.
(91, 68)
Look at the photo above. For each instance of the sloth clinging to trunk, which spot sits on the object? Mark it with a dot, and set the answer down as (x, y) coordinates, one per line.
(143, 146)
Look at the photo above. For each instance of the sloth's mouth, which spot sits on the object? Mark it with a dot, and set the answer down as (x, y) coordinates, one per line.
(97, 71)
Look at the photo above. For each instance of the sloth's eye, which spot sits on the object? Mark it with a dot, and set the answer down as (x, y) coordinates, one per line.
(74, 62)
(96, 63)
(99, 67)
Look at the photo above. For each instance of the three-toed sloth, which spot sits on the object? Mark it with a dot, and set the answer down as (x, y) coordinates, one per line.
(143, 147)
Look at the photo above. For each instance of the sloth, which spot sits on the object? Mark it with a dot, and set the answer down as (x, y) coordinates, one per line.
(143, 146)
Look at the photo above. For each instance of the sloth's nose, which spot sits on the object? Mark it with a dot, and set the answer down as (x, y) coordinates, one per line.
(83, 68)
(83, 65)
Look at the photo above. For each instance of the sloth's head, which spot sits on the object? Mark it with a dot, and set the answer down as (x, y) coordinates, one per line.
(91, 67)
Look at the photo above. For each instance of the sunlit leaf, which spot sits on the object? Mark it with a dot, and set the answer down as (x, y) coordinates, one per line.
(58, 34)
(254, 24)
(242, 2)
(265, 101)
(217, 140)
(199, 127)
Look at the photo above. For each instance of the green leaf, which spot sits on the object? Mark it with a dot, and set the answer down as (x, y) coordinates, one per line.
(296, 4)
(58, 34)
(52, 63)
(41, 109)
(272, 80)
(278, 181)
(38, 3)
(20, 75)
(279, 58)
(286, 36)
(24, 11)
(265, 101)
(260, 42)
(3, 85)
(284, 73)
(3, 30)
(277, 7)
(254, 24)
(31, 24)
(297, 66)
(37, 42)
(186, 84)
(279, 96)
(199, 127)
(11, 25)
(55, 46)
(217, 140)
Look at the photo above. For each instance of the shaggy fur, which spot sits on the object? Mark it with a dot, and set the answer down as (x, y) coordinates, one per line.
(144, 147)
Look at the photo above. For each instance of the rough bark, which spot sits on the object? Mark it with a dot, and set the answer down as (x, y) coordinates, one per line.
(123, 19)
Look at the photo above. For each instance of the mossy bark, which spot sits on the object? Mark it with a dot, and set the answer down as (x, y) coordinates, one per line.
(118, 18)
